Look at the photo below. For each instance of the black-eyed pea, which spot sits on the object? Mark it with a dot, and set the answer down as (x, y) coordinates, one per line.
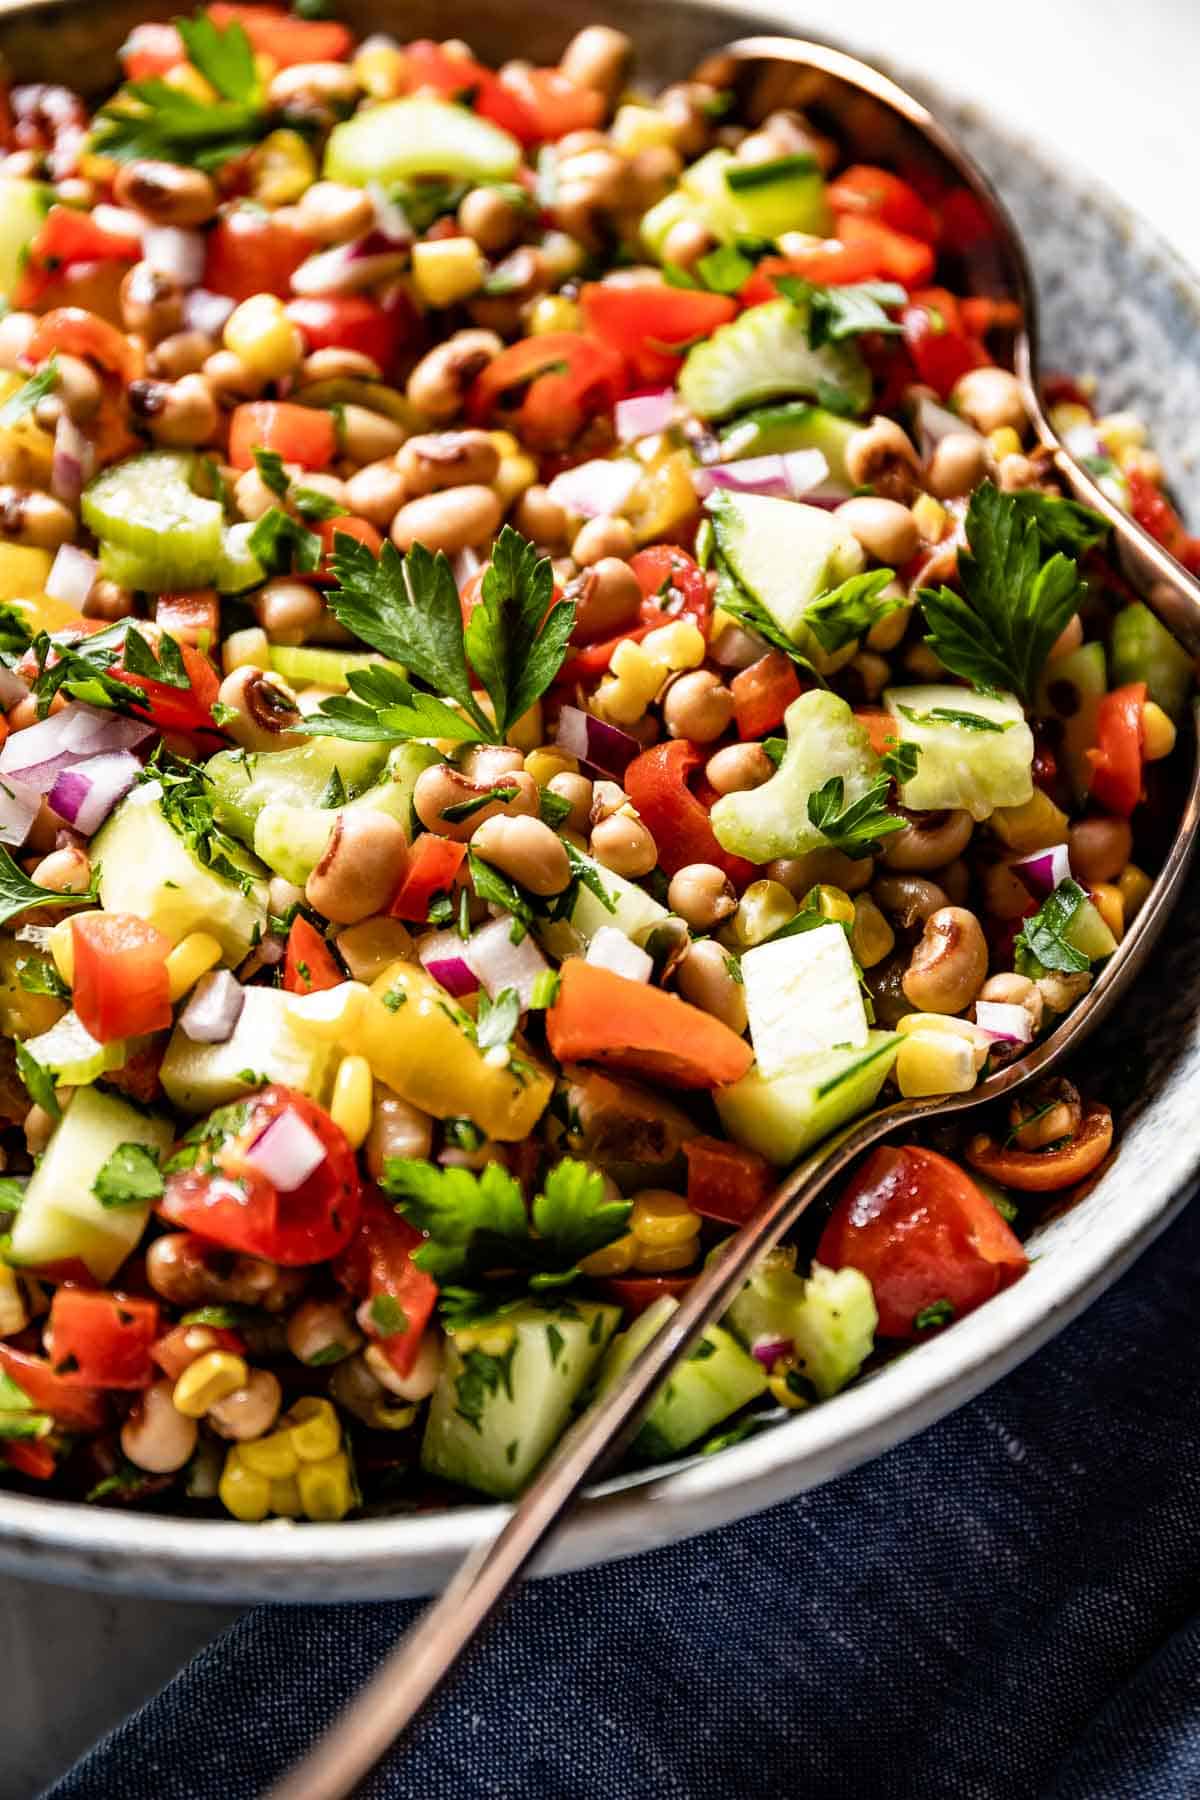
(597, 58)
(435, 461)
(602, 537)
(686, 242)
(702, 895)
(333, 213)
(886, 530)
(949, 965)
(909, 899)
(190, 1271)
(456, 519)
(177, 414)
(250, 1411)
(182, 353)
(262, 709)
(443, 789)
(16, 335)
(990, 399)
(490, 218)
(1011, 989)
(359, 868)
(623, 844)
(540, 518)
(607, 597)
(252, 496)
(166, 192)
(398, 1130)
(697, 706)
(28, 516)
(816, 868)
(317, 88)
(706, 977)
(881, 455)
(334, 363)
(738, 768)
(376, 492)
(438, 385)
(526, 850)
(366, 436)
(108, 601)
(155, 1436)
(576, 790)
(929, 841)
(66, 871)
(229, 380)
(288, 610)
(958, 464)
(1100, 848)
(151, 303)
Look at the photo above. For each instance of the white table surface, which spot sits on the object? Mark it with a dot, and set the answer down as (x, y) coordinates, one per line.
(1113, 87)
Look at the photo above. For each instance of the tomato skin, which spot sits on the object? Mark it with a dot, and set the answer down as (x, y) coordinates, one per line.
(831, 264)
(876, 193)
(68, 238)
(150, 50)
(1118, 759)
(310, 966)
(81, 333)
(919, 1229)
(879, 726)
(1155, 514)
(941, 349)
(898, 257)
(430, 868)
(635, 1293)
(78, 1408)
(379, 1262)
(724, 1181)
(578, 380)
(301, 434)
(102, 1340)
(170, 708)
(429, 67)
(657, 783)
(350, 322)
(762, 694)
(173, 1352)
(28, 1457)
(120, 987)
(644, 323)
(283, 37)
(688, 596)
(250, 252)
(551, 104)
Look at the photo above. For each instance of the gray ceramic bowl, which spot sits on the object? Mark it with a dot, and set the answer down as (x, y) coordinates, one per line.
(1116, 303)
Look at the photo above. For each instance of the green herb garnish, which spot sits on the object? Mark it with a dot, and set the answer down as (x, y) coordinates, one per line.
(130, 1177)
(855, 830)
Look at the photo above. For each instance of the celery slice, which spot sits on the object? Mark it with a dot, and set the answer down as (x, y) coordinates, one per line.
(155, 533)
(403, 138)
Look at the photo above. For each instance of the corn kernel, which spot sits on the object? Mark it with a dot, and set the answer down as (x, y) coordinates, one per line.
(285, 1498)
(680, 645)
(871, 937)
(243, 1493)
(513, 477)
(330, 1014)
(660, 1218)
(932, 1062)
(1120, 431)
(1004, 441)
(447, 270)
(931, 518)
(787, 1393)
(640, 128)
(1146, 462)
(352, 1106)
(314, 1429)
(495, 1340)
(663, 1259)
(14, 1313)
(380, 71)
(1068, 415)
(274, 1456)
(262, 336)
(635, 679)
(326, 1491)
(546, 762)
(615, 1258)
(553, 312)
(265, 67)
(189, 960)
(1158, 732)
(948, 1025)
(185, 78)
(210, 1378)
(1133, 885)
(1032, 825)
(833, 903)
(505, 443)
(1106, 898)
(248, 649)
(282, 167)
(765, 908)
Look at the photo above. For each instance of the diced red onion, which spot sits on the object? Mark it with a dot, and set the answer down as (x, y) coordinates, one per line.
(214, 1008)
(442, 954)
(118, 221)
(1043, 870)
(19, 807)
(287, 1152)
(597, 488)
(271, 950)
(175, 253)
(768, 1351)
(500, 964)
(348, 267)
(91, 730)
(85, 794)
(736, 648)
(1003, 1021)
(206, 312)
(791, 476)
(73, 461)
(37, 754)
(643, 415)
(1083, 441)
(391, 221)
(611, 949)
(603, 746)
(932, 422)
(72, 575)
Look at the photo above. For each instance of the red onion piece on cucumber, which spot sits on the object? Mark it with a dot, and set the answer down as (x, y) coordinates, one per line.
(790, 476)
(596, 488)
(768, 1351)
(287, 1152)
(1006, 1022)
(602, 746)
(86, 793)
(1043, 870)
(215, 1006)
(644, 415)
(442, 954)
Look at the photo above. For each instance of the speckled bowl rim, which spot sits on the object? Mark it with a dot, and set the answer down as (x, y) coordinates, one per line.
(414, 1553)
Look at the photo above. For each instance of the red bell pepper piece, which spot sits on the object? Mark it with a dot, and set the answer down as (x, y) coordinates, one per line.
(1118, 758)
(599, 1016)
(724, 1181)
(936, 340)
(551, 104)
(652, 324)
(675, 584)
(919, 1229)
(635, 1294)
(28, 1457)
(253, 252)
(77, 332)
(898, 257)
(76, 1408)
(379, 1263)
(430, 868)
(121, 987)
(171, 708)
(102, 1340)
(301, 434)
(352, 322)
(151, 50)
(874, 193)
(310, 965)
(546, 388)
(880, 728)
(68, 237)
(282, 36)
(1155, 514)
(657, 783)
(763, 692)
(193, 618)
(829, 264)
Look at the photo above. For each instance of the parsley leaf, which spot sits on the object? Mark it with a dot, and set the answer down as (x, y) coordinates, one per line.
(38, 977)
(39, 1082)
(26, 398)
(167, 667)
(950, 715)
(938, 1312)
(272, 473)
(152, 119)
(1042, 944)
(837, 313)
(516, 640)
(572, 1214)
(188, 804)
(497, 890)
(81, 670)
(130, 1177)
(849, 611)
(749, 611)
(465, 809)
(17, 892)
(900, 762)
(998, 631)
(281, 543)
(856, 829)
(497, 1019)
(1062, 524)
(223, 57)
(388, 1317)
(312, 504)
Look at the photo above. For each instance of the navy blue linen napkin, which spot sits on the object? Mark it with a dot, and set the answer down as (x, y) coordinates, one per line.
(1006, 1607)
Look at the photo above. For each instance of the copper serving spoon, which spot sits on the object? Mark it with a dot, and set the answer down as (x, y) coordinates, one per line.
(874, 121)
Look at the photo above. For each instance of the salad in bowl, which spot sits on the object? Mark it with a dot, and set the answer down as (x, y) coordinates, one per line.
(543, 675)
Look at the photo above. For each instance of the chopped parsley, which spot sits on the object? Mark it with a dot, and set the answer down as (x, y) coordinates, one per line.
(949, 715)
(855, 830)
(20, 404)
(18, 894)
(837, 313)
(39, 1081)
(1042, 942)
(130, 1177)
(388, 1318)
(938, 1312)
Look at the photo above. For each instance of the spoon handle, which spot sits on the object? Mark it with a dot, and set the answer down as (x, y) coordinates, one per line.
(413, 1672)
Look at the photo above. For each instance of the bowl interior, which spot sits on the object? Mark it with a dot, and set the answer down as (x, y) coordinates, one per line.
(1115, 303)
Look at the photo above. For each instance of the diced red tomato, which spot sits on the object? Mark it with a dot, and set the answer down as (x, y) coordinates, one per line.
(547, 388)
(724, 1181)
(674, 585)
(301, 434)
(980, 313)
(431, 68)
(880, 728)
(229, 1201)
(329, 530)
(178, 1348)
(150, 50)
(898, 257)
(188, 709)
(635, 1293)
(657, 783)
(102, 1340)
(934, 336)
(875, 193)
(120, 987)
(77, 332)
(430, 868)
(28, 1457)
(831, 264)
(552, 105)
(919, 1229)
(763, 692)
(352, 322)
(1118, 759)
(378, 1263)
(310, 965)
(1155, 514)
(283, 37)
(193, 618)
(252, 252)
(965, 222)
(76, 1408)
(652, 324)
(67, 238)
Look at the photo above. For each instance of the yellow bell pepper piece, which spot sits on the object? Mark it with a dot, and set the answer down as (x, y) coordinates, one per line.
(416, 1041)
(664, 500)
